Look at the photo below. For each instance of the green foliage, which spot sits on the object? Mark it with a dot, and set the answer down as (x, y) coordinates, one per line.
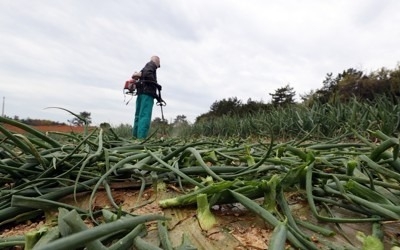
(180, 120)
(123, 130)
(355, 83)
(37, 122)
(225, 106)
(352, 99)
(283, 96)
(84, 118)
(160, 127)
(321, 120)
(232, 107)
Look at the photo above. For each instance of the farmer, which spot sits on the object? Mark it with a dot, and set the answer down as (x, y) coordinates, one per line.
(146, 92)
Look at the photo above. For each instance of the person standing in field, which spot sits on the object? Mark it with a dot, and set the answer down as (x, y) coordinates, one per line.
(146, 92)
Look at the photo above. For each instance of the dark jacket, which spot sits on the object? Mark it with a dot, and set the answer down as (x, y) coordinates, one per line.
(148, 81)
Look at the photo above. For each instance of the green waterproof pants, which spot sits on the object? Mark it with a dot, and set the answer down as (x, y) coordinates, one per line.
(142, 120)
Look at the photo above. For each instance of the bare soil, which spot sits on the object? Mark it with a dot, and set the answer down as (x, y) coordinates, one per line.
(52, 128)
(237, 228)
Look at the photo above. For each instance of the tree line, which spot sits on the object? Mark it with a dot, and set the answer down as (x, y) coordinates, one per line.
(75, 121)
(37, 122)
(350, 83)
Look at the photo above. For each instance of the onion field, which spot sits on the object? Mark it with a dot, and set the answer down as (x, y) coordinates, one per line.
(311, 182)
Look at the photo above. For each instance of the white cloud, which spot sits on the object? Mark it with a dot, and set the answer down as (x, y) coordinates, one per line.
(77, 54)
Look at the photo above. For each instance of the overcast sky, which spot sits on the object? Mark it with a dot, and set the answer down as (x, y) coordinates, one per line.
(77, 54)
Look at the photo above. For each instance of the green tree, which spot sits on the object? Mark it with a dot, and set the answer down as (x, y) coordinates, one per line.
(84, 118)
(252, 107)
(395, 81)
(328, 91)
(283, 96)
(307, 98)
(349, 84)
(159, 125)
(225, 106)
(229, 106)
(180, 120)
(158, 122)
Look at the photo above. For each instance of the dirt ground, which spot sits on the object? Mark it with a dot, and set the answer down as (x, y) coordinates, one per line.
(52, 128)
(237, 228)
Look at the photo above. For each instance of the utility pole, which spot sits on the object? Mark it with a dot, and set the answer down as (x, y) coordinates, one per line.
(2, 109)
